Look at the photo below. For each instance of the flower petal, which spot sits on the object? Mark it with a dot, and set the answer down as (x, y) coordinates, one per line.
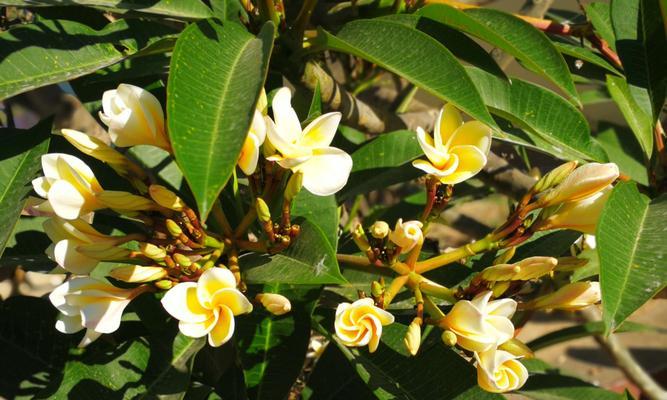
(321, 131)
(68, 324)
(285, 146)
(66, 200)
(42, 185)
(232, 299)
(327, 171)
(471, 161)
(249, 154)
(199, 329)
(66, 255)
(223, 329)
(449, 120)
(211, 281)
(287, 122)
(103, 316)
(182, 303)
(472, 133)
(438, 158)
(89, 338)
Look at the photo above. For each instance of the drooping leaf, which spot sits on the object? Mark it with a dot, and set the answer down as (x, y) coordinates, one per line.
(185, 9)
(20, 158)
(542, 112)
(309, 260)
(600, 16)
(632, 246)
(637, 119)
(512, 35)
(273, 348)
(52, 51)
(640, 40)
(376, 164)
(587, 329)
(413, 55)
(209, 117)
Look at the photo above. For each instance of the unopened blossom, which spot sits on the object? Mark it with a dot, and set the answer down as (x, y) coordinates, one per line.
(524, 270)
(68, 185)
(582, 183)
(413, 338)
(571, 297)
(499, 371)
(325, 169)
(88, 303)
(582, 215)
(208, 306)
(379, 229)
(138, 273)
(166, 198)
(256, 135)
(134, 116)
(274, 303)
(360, 323)
(407, 235)
(457, 151)
(481, 324)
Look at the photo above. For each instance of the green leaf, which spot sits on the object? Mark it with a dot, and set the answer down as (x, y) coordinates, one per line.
(160, 163)
(641, 44)
(273, 348)
(315, 109)
(540, 111)
(309, 260)
(20, 158)
(217, 72)
(632, 246)
(584, 54)
(638, 120)
(587, 329)
(624, 150)
(413, 55)
(321, 211)
(547, 244)
(512, 35)
(186, 9)
(600, 16)
(375, 165)
(53, 51)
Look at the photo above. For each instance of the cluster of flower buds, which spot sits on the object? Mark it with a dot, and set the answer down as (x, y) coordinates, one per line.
(384, 245)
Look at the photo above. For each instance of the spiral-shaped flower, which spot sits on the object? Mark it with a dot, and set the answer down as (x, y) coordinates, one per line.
(360, 323)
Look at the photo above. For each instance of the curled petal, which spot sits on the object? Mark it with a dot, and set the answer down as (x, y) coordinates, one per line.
(321, 131)
(199, 329)
(287, 122)
(66, 255)
(471, 161)
(449, 120)
(182, 303)
(327, 171)
(210, 282)
(437, 158)
(223, 329)
(233, 300)
(67, 202)
(249, 154)
(42, 185)
(472, 133)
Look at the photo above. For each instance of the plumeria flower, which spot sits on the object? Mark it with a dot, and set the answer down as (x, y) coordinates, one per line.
(87, 303)
(325, 169)
(581, 215)
(571, 297)
(69, 186)
(499, 371)
(134, 116)
(256, 135)
(457, 151)
(207, 307)
(360, 323)
(480, 324)
(67, 236)
(582, 183)
(407, 235)
(274, 303)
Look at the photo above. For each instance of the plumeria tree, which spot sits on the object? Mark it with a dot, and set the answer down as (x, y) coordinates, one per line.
(239, 199)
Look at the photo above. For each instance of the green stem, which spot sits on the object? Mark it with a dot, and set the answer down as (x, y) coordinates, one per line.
(354, 260)
(353, 211)
(405, 103)
(396, 285)
(220, 217)
(462, 252)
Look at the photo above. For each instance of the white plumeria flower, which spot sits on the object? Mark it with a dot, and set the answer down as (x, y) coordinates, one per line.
(134, 116)
(253, 142)
(85, 302)
(69, 186)
(499, 371)
(360, 323)
(407, 234)
(66, 237)
(457, 151)
(207, 307)
(480, 324)
(325, 169)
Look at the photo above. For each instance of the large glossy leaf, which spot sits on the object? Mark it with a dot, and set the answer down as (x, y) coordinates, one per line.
(542, 112)
(584, 54)
(545, 383)
(413, 55)
(632, 246)
(309, 260)
(600, 16)
(377, 164)
(52, 51)
(512, 35)
(19, 163)
(321, 211)
(640, 41)
(637, 119)
(273, 348)
(187, 9)
(217, 72)
(624, 150)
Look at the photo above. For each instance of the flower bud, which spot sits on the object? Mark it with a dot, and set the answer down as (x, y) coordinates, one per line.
(582, 215)
(274, 303)
(585, 181)
(449, 338)
(293, 186)
(182, 260)
(413, 337)
(499, 288)
(359, 237)
(164, 284)
(524, 270)
(138, 274)
(377, 289)
(152, 251)
(555, 176)
(173, 228)
(571, 297)
(166, 198)
(517, 348)
(406, 235)
(379, 229)
(568, 264)
(134, 116)
(124, 201)
(263, 212)
(103, 252)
